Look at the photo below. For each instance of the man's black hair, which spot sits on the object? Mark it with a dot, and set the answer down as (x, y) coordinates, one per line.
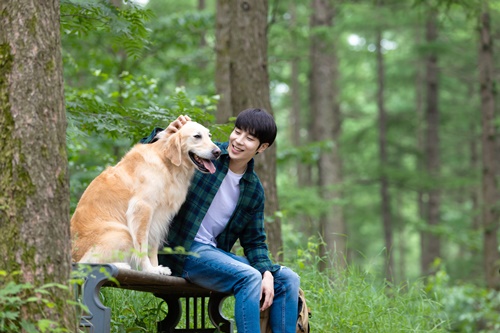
(259, 123)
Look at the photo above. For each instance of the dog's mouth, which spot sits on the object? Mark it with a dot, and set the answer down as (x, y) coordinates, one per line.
(203, 164)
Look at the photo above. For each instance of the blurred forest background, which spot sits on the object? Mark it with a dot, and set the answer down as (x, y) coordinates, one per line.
(387, 153)
(382, 190)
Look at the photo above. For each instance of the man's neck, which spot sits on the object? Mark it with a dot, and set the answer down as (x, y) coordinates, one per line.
(238, 167)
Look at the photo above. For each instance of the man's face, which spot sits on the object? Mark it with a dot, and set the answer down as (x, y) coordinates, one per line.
(243, 145)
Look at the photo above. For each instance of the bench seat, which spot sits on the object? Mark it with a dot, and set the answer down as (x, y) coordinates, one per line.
(169, 288)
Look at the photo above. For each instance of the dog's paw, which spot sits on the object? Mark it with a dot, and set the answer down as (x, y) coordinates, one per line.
(160, 270)
(122, 265)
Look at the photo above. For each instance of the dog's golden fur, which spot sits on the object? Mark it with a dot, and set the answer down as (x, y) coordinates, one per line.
(124, 213)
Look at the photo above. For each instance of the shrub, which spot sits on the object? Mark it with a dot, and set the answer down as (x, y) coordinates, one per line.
(470, 308)
(14, 296)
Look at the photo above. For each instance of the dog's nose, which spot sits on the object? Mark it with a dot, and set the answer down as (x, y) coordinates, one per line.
(216, 152)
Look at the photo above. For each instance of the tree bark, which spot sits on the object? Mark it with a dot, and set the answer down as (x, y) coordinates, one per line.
(34, 191)
(420, 136)
(303, 171)
(223, 60)
(325, 112)
(475, 191)
(248, 86)
(385, 199)
(432, 246)
(490, 211)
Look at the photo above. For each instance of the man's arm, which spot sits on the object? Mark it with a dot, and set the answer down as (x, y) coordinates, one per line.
(171, 129)
(177, 124)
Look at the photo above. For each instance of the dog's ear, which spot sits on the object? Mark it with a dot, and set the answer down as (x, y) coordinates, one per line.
(173, 149)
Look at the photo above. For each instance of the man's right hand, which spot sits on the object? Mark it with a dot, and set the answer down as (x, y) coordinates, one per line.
(176, 125)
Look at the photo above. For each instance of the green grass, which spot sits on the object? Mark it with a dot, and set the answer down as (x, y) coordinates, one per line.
(349, 300)
(354, 301)
(134, 311)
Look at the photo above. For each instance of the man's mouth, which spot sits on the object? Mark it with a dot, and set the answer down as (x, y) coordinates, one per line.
(238, 150)
(203, 164)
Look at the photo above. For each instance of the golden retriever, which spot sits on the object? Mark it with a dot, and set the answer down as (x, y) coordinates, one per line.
(125, 212)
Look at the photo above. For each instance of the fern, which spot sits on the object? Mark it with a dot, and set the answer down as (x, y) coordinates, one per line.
(105, 110)
(126, 24)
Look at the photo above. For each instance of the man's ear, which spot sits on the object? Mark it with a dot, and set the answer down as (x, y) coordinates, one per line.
(262, 148)
(173, 149)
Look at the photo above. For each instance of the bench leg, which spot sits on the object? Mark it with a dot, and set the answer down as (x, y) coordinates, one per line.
(174, 314)
(215, 314)
(99, 318)
(168, 324)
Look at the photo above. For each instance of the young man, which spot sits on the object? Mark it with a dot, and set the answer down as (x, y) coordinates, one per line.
(223, 207)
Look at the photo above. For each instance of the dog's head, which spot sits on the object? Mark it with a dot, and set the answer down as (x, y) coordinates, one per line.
(192, 144)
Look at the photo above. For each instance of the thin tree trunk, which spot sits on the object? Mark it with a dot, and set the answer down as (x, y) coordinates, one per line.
(203, 62)
(383, 160)
(326, 127)
(201, 7)
(420, 135)
(432, 245)
(34, 182)
(306, 225)
(295, 117)
(223, 60)
(475, 191)
(490, 211)
(249, 87)
(401, 241)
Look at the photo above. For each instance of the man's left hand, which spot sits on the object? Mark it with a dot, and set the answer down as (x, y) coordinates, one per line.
(267, 290)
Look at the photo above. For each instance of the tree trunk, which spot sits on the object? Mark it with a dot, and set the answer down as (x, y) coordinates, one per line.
(203, 39)
(385, 199)
(295, 116)
(432, 246)
(34, 192)
(306, 224)
(475, 191)
(249, 87)
(490, 212)
(326, 127)
(400, 264)
(420, 135)
(223, 60)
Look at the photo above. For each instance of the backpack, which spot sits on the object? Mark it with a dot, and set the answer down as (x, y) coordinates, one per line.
(304, 313)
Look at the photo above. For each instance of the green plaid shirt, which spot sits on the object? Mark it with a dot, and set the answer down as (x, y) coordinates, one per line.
(246, 222)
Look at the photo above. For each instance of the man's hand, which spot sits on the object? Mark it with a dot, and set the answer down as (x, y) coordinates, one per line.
(177, 124)
(267, 290)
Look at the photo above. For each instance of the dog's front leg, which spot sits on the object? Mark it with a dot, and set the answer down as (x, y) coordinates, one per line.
(153, 261)
(139, 218)
(153, 255)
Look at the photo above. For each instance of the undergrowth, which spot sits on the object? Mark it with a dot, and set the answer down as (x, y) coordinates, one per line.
(349, 300)
(341, 300)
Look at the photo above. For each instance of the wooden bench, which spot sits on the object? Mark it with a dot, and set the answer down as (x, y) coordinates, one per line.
(169, 288)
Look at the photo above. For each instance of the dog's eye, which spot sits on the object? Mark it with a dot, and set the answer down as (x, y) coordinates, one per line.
(197, 136)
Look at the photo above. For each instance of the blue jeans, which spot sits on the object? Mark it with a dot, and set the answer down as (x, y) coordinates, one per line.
(223, 271)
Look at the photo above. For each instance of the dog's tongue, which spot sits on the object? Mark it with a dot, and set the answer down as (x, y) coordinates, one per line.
(209, 165)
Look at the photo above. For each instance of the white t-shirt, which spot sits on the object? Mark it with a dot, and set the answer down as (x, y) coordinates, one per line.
(220, 210)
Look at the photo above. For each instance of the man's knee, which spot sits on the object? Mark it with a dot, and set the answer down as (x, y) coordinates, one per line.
(253, 277)
(288, 278)
(248, 279)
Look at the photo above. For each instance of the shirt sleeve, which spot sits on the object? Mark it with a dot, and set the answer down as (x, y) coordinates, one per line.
(253, 241)
(151, 137)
